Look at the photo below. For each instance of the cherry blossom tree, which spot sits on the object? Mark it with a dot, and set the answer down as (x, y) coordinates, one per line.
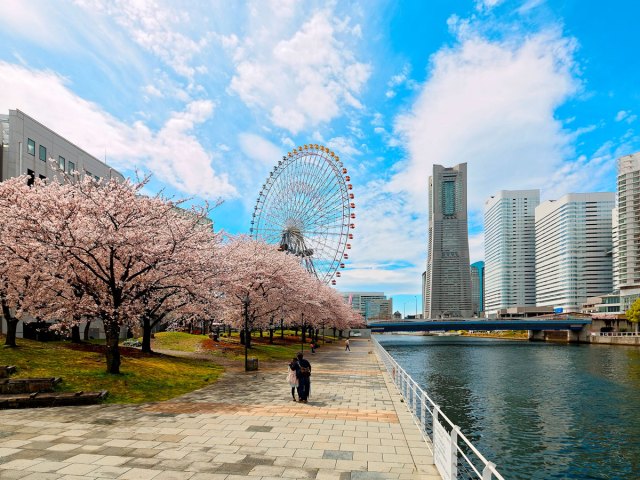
(123, 250)
(23, 270)
(255, 282)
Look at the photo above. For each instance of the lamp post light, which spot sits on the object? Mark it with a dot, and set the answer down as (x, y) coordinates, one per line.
(302, 334)
(404, 308)
(245, 303)
(416, 297)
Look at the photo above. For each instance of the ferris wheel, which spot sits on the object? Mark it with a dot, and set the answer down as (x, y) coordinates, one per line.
(306, 207)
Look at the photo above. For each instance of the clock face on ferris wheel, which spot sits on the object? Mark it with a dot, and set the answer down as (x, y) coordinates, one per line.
(306, 207)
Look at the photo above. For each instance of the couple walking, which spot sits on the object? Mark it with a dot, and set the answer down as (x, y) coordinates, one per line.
(300, 377)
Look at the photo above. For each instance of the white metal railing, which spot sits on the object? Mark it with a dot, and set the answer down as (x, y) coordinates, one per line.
(618, 334)
(453, 454)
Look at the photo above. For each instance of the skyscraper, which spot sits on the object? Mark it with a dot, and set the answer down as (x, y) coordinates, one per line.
(477, 287)
(573, 249)
(509, 249)
(448, 277)
(627, 233)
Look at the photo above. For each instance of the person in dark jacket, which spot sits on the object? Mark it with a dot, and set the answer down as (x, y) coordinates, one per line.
(303, 373)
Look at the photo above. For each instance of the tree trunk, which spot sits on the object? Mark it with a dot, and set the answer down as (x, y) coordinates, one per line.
(271, 336)
(303, 337)
(340, 333)
(112, 331)
(282, 329)
(75, 334)
(261, 334)
(146, 334)
(247, 337)
(12, 325)
(86, 331)
(334, 332)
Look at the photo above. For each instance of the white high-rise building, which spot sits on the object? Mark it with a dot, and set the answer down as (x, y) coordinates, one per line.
(573, 249)
(509, 249)
(627, 248)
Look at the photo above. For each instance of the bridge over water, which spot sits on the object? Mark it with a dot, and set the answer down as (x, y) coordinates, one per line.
(576, 327)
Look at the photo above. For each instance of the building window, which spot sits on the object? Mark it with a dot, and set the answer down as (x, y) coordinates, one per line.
(31, 177)
(448, 198)
(42, 153)
(61, 163)
(71, 167)
(31, 147)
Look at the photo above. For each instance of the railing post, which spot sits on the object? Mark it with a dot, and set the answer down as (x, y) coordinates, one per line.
(454, 451)
(434, 422)
(423, 412)
(486, 472)
(413, 400)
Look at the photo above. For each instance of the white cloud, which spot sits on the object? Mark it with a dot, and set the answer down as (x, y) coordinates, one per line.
(172, 153)
(626, 115)
(300, 80)
(258, 148)
(492, 105)
(157, 29)
(343, 146)
(487, 4)
(153, 91)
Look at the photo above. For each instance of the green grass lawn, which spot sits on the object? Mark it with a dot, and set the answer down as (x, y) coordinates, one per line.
(143, 378)
(230, 347)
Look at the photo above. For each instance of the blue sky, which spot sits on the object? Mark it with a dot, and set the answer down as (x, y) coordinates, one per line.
(530, 93)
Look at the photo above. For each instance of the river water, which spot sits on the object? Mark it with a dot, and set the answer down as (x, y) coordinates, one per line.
(537, 410)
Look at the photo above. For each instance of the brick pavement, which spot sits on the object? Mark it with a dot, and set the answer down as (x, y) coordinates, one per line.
(355, 426)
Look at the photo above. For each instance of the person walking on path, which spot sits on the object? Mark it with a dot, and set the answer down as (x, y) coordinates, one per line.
(303, 374)
(292, 378)
(346, 346)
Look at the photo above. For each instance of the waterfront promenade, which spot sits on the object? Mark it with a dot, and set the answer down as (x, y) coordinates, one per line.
(355, 426)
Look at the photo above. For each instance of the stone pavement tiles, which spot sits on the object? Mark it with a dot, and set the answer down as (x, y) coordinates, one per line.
(244, 426)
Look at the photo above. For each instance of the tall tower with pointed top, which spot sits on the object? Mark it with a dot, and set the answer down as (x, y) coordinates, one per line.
(448, 278)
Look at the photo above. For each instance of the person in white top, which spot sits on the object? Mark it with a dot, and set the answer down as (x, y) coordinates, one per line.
(292, 378)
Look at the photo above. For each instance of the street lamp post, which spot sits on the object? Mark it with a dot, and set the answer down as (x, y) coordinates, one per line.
(302, 335)
(416, 297)
(404, 308)
(245, 302)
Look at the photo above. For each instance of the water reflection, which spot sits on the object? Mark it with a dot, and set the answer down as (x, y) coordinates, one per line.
(538, 410)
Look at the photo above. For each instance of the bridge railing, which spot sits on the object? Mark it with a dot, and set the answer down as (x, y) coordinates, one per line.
(453, 454)
(618, 334)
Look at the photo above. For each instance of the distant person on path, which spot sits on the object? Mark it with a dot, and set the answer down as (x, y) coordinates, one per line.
(292, 378)
(313, 347)
(346, 346)
(303, 374)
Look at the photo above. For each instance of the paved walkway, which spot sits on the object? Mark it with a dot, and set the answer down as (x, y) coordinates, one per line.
(355, 426)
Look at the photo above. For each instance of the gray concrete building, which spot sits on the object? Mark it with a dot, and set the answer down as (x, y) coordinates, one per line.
(369, 304)
(27, 147)
(448, 277)
(509, 249)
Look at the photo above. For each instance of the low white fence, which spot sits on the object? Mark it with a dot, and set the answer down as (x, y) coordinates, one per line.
(618, 334)
(453, 454)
